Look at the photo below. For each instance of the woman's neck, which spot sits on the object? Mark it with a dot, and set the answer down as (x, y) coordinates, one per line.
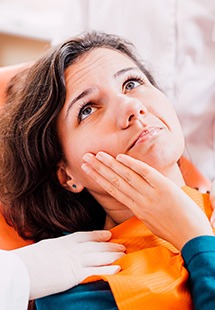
(175, 175)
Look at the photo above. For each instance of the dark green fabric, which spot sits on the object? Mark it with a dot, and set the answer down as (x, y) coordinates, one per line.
(199, 257)
(91, 296)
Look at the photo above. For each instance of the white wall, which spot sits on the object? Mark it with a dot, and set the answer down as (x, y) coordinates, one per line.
(27, 27)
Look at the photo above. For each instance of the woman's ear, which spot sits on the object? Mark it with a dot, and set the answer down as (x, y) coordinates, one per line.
(67, 180)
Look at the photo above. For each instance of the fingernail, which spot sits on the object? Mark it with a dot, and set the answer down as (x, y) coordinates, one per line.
(119, 157)
(87, 157)
(100, 155)
(85, 168)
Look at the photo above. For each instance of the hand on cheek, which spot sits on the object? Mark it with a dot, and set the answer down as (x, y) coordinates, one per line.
(153, 198)
(119, 180)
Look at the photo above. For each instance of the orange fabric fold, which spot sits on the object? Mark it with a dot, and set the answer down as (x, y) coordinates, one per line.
(9, 238)
(153, 275)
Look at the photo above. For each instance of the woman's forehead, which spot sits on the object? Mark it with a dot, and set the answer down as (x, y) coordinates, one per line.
(98, 60)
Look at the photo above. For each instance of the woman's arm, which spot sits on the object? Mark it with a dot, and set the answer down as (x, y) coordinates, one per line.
(199, 257)
(14, 282)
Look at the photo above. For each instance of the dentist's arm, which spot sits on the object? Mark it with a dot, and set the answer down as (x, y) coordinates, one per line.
(14, 282)
(55, 265)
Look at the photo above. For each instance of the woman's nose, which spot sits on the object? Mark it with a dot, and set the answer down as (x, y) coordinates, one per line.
(129, 110)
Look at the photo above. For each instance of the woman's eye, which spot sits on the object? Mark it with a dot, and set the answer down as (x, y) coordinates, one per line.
(132, 84)
(85, 112)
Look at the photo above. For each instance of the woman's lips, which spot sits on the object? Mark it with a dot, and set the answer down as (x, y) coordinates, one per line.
(146, 135)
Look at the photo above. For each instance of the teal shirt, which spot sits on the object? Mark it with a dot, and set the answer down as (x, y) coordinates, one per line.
(90, 296)
(199, 257)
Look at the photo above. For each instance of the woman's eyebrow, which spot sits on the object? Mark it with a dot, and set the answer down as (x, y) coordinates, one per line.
(80, 96)
(120, 72)
(90, 89)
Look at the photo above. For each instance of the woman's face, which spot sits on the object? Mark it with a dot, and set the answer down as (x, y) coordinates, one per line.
(111, 106)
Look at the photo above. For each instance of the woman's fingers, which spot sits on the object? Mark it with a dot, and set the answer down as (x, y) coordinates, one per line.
(126, 185)
(116, 178)
(128, 180)
(127, 173)
(148, 173)
(109, 180)
(134, 172)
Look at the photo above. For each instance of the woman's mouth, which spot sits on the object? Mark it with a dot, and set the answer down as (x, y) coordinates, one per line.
(146, 135)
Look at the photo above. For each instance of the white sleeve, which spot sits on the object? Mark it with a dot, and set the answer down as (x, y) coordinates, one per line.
(14, 282)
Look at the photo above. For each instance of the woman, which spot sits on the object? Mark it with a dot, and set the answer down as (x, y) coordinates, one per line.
(94, 142)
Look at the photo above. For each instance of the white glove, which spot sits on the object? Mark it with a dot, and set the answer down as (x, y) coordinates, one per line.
(212, 199)
(58, 264)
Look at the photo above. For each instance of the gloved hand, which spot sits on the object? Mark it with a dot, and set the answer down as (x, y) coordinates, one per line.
(58, 264)
(212, 199)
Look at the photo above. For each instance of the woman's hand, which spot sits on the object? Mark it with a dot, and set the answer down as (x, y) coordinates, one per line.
(212, 199)
(55, 265)
(158, 202)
